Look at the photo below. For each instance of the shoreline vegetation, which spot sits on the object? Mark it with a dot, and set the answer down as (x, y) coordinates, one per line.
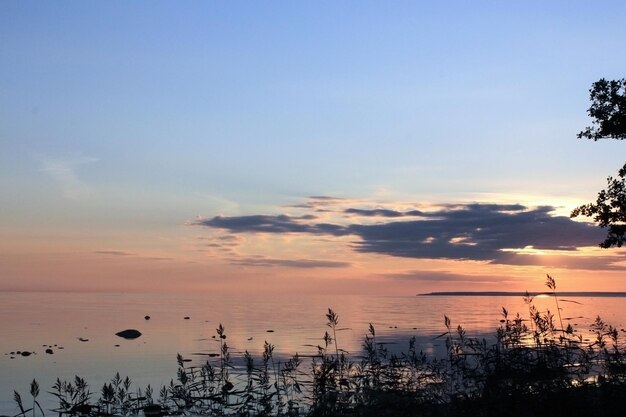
(535, 367)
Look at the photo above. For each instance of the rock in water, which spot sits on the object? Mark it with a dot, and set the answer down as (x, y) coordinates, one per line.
(153, 410)
(50, 351)
(129, 334)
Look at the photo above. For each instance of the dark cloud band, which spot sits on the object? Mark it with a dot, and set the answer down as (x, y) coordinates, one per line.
(478, 232)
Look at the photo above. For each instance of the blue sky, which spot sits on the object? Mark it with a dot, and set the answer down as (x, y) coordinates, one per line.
(122, 122)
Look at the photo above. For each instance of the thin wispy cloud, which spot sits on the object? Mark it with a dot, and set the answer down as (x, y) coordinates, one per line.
(608, 261)
(290, 263)
(272, 224)
(124, 254)
(65, 173)
(452, 277)
(382, 213)
(225, 244)
(320, 203)
(114, 253)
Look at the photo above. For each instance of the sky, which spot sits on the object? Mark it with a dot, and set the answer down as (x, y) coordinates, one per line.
(325, 147)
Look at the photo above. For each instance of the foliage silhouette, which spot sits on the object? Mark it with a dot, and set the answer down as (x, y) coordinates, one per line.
(609, 210)
(608, 109)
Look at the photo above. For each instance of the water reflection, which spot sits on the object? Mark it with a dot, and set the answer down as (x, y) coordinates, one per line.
(81, 329)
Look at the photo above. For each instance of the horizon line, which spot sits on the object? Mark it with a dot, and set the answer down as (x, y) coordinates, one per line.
(522, 294)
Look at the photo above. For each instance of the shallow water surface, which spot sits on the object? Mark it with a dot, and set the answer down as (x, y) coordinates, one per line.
(80, 329)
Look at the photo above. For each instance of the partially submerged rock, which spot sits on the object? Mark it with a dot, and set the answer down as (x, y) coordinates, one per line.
(153, 410)
(129, 334)
(81, 410)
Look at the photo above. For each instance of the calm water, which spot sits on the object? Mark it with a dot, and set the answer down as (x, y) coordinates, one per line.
(32, 320)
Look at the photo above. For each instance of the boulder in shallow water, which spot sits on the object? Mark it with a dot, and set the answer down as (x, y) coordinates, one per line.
(153, 410)
(81, 410)
(129, 334)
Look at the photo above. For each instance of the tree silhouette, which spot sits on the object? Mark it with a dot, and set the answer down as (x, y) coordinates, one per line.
(608, 109)
(609, 210)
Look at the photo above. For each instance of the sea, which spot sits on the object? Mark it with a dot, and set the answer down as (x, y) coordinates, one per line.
(74, 334)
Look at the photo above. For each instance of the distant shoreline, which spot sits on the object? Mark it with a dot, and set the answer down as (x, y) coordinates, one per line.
(522, 294)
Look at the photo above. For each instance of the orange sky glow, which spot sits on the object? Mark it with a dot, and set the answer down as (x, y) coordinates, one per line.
(189, 258)
(343, 147)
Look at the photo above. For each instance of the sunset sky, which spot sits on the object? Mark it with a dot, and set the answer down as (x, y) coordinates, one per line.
(347, 147)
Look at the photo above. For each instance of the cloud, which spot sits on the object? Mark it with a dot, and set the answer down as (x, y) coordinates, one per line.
(131, 254)
(445, 276)
(290, 263)
(382, 212)
(63, 171)
(320, 203)
(221, 242)
(475, 232)
(272, 224)
(114, 253)
(566, 261)
(479, 232)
